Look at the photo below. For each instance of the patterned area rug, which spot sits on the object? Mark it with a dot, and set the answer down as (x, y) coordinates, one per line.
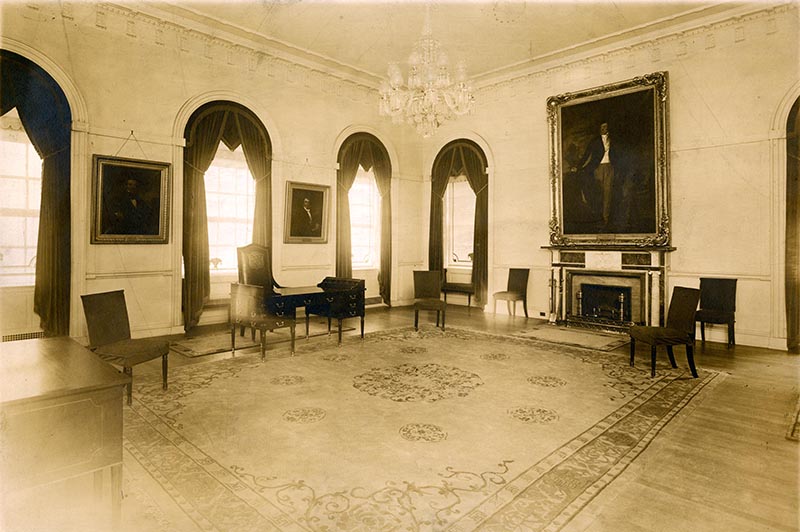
(405, 430)
(221, 342)
(576, 337)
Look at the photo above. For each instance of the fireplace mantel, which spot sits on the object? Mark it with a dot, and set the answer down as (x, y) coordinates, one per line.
(642, 271)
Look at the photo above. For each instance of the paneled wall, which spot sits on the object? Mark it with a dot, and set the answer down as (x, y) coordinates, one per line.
(138, 78)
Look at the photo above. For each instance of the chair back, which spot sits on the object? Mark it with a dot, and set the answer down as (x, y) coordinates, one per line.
(427, 284)
(718, 294)
(255, 265)
(246, 301)
(682, 309)
(106, 317)
(518, 280)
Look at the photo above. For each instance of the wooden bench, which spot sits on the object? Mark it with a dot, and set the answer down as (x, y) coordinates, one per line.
(457, 288)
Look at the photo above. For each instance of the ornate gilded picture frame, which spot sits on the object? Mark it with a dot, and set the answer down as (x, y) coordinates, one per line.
(609, 165)
(306, 219)
(130, 201)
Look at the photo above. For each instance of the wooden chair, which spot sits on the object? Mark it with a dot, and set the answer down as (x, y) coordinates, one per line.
(679, 329)
(248, 308)
(110, 336)
(427, 295)
(517, 291)
(717, 305)
(254, 263)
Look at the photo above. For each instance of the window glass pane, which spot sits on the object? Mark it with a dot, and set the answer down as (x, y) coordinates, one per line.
(14, 193)
(459, 221)
(230, 200)
(20, 189)
(364, 220)
(15, 158)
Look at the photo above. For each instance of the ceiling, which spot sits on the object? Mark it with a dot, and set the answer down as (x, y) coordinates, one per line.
(491, 35)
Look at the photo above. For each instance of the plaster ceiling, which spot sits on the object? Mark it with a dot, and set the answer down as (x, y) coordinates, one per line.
(363, 35)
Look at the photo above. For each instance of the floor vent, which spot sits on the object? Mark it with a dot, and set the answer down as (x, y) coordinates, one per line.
(22, 336)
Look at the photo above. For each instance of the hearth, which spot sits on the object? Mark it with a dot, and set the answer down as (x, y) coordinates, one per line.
(608, 302)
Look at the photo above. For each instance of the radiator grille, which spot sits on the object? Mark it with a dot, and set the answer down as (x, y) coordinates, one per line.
(22, 336)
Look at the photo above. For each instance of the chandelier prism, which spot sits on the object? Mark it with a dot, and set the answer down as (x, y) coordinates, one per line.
(429, 96)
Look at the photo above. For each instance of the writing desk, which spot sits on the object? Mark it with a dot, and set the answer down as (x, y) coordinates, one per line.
(60, 416)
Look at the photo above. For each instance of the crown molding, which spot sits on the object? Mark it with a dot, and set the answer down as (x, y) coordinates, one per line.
(681, 36)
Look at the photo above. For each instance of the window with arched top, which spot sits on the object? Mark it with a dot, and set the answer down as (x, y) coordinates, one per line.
(220, 193)
(458, 234)
(364, 209)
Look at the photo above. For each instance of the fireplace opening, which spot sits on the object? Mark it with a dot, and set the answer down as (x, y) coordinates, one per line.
(605, 302)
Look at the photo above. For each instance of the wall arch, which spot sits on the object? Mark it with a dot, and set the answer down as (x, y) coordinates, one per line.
(352, 130)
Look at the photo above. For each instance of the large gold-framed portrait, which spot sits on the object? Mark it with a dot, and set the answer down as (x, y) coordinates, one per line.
(609, 164)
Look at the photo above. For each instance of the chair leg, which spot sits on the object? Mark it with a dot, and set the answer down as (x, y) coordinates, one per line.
(690, 359)
(233, 339)
(164, 368)
(362, 327)
(443, 313)
(437, 318)
(633, 349)
(308, 318)
(469, 303)
(703, 331)
(671, 356)
(291, 332)
(652, 361)
(525, 306)
(508, 307)
(329, 325)
(262, 336)
(416, 319)
(731, 335)
(129, 372)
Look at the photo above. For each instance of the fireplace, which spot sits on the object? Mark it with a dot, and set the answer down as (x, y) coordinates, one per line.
(607, 302)
(606, 299)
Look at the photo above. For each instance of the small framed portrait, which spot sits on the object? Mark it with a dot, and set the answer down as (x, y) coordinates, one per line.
(609, 164)
(306, 213)
(130, 201)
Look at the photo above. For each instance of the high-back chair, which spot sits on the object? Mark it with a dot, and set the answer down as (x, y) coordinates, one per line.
(110, 336)
(679, 329)
(517, 291)
(717, 305)
(248, 308)
(254, 263)
(427, 295)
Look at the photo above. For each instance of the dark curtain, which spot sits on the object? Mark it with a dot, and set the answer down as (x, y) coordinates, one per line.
(258, 153)
(461, 157)
(475, 170)
(440, 177)
(44, 112)
(793, 229)
(382, 168)
(349, 161)
(203, 137)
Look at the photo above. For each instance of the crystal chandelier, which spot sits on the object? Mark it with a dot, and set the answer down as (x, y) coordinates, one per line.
(429, 96)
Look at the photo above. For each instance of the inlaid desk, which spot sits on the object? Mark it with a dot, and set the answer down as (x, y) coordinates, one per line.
(60, 417)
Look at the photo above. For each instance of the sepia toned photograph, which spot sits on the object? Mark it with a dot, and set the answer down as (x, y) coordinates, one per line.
(400, 266)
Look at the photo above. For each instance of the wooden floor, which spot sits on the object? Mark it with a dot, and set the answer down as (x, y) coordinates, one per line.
(723, 464)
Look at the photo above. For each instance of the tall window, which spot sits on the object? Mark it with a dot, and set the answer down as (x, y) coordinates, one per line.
(459, 222)
(21, 190)
(230, 200)
(365, 220)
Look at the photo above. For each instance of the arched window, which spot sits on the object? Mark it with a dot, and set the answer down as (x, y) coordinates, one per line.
(459, 162)
(364, 151)
(44, 112)
(365, 221)
(231, 126)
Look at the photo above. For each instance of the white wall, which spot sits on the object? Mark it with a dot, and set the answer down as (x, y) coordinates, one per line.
(727, 78)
